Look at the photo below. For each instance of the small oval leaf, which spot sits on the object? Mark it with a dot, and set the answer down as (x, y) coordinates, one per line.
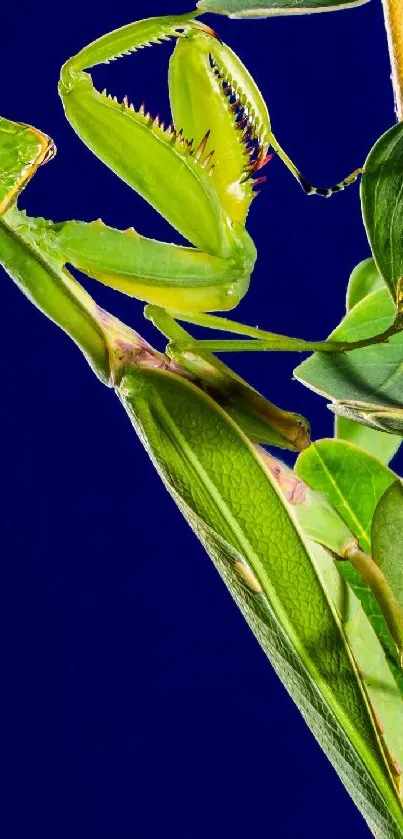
(364, 279)
(351, 479)
(382, 207)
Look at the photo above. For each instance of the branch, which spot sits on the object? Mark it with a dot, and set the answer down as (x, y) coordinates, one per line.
(393, 13)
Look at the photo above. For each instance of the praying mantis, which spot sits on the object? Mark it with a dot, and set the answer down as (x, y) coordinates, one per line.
(200, 173)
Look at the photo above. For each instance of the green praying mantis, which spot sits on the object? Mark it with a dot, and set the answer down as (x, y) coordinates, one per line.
(209, 86)
(201, 177)
(203, 186)
(201, 174)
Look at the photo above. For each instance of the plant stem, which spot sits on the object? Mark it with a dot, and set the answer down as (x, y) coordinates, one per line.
(380, 587)
(393, 13)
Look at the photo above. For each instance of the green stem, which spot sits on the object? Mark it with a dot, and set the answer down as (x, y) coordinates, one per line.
(372, 574)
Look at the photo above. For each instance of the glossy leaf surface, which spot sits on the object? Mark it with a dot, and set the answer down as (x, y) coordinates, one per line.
(267, 8)
(365, 384)
(364, 279)
(354, 482)
(381, 191)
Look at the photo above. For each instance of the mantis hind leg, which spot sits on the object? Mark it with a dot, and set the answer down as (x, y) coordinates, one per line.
(308, 188)
(262, 340)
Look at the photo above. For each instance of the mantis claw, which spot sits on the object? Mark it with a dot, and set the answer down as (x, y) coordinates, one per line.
(207, 29)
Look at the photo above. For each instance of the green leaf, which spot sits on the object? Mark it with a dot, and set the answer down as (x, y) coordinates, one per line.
(327, 655)
(381, 445)
(364, 279)
(374, 613)
(321, 523)
(353, 481)
(389, 420)
(366, 384)
(267, 8)
(382, 205)
(387, 537)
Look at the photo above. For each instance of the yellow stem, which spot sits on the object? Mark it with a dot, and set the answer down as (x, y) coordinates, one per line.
(381, 589)
(393, 13)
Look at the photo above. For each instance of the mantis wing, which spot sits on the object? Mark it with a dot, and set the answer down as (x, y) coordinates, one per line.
(326, 654)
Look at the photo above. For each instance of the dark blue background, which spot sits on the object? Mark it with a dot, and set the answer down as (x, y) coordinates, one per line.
(136, 701)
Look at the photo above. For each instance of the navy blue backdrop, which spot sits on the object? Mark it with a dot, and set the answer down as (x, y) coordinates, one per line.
(136, 702)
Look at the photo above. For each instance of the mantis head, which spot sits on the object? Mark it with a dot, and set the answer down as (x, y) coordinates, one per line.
(22, 149)
(197, 172)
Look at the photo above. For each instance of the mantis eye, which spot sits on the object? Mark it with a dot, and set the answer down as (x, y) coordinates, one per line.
(49, 153)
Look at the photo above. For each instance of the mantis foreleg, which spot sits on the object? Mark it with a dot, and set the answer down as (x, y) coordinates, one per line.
(199, 173)
(157, 272)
